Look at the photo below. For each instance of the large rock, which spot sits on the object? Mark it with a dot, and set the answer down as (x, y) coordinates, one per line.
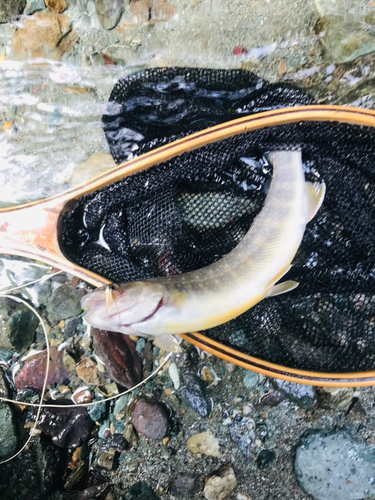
(10, 8)
(17, 325)
(332, 466)
(151, 418)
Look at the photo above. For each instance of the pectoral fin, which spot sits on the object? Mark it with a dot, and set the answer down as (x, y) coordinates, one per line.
(168, 343)
(280, 288)
(315, 192)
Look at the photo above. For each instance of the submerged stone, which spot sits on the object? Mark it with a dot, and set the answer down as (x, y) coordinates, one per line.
(33, 372)
(66, 426)
(109, 12)
(220, 483)
(183, 485)
(17, 325)
(194, 395)
(151, 418)
(301, 394)
(332, 466)
(98, 411)
(57, 5)
(343, 41)
(265, 458)
(251, 379)
(243, 436)
(33, 6)
(120, 357)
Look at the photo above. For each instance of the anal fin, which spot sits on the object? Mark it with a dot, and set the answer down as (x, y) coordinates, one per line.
(168, 343)
(315, 192)
(280, 288)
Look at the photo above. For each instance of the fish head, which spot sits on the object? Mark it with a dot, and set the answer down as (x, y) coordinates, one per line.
(117, 309)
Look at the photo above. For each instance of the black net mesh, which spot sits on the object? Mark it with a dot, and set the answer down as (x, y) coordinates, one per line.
(188, 212)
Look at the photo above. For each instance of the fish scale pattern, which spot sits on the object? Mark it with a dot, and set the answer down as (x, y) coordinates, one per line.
(192, 210)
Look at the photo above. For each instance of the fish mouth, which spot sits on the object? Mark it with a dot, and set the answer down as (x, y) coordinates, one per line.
(160, 304)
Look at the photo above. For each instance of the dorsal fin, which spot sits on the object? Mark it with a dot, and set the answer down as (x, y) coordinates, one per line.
(315, 192)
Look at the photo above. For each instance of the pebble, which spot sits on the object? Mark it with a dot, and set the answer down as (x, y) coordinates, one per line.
(271, 399)
(334, 466)
(194, 395)
(173, 373)
(73, 326)
(66, 426)
(84, 396)
(106, 459)
(220, 483)
(33, 372)
(141, 345)
(8, 9)
(207, 374)
(57, 6)
(343, 41)
(17, 325)
(251, 379)
(120, 357)
(76, 475)
(33, 6)
(109, 12)
(64, 303)
(87, 371)
(243, 436)
(183, 485)
(205, 443)
(130, 435)
(8, 436)
(98, 411)
(151, 418)
(265, 458)
(302, 395)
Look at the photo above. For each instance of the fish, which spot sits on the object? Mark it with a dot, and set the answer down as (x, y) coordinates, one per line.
(210, 296)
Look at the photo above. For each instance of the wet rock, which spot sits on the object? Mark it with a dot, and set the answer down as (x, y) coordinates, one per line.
(370, 18)
(45, 34)
(76, 475)
(243, 435)
(356, 410)
(251, 379)
(343, 41)
(106, 459)
(120, 357)
(332, 466)
(84, 396)
(8, 436)
(183, 485)
(205, 443)
(141, 491)
(194, 395)
(109, 12)
(33, 6)
(57, 6)
(117, 442)
(88, 372)
(67, 426)
(17, 325)
(8, 9)
(265, 458)
(302, 395)
(97, 164)
(64, 303)
(151, 418)
(335, 397)
(33, 372)
(220, 483)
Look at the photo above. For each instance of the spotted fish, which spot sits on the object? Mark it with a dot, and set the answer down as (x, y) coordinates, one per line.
(215, 294)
